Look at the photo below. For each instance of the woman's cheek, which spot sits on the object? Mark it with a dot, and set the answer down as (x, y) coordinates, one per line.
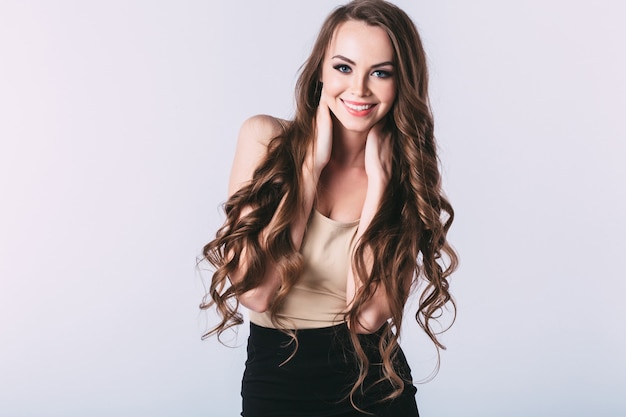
(332, 87)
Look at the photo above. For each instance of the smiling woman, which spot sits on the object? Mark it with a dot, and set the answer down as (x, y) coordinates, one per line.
(332, 219)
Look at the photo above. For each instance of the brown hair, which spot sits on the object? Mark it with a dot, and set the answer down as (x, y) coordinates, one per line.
(407, 236)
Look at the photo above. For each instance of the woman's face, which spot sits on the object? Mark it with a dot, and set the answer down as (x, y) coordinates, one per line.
(359, 76)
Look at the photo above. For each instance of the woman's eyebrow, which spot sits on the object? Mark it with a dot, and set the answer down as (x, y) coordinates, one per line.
(349, 61)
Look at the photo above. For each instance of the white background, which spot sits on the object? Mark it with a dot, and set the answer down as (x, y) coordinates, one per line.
(118, 121)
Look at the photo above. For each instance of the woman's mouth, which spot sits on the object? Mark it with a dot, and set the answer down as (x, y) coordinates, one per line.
(358, 109)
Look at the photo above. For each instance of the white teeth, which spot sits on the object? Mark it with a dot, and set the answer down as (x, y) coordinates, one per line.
(359, 108)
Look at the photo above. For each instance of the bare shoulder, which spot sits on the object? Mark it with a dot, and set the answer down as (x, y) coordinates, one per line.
(254, 136)
(261, 128)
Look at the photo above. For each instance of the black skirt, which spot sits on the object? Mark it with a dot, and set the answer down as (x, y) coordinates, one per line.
(317, 380)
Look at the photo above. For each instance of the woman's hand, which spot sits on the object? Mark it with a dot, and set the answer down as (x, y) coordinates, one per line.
(321, 146)
(378, 160)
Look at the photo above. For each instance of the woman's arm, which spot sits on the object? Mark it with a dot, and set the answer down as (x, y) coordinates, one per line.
(376, 311)
(254, 138)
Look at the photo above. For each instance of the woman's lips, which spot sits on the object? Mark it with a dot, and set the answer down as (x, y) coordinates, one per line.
(358, 109)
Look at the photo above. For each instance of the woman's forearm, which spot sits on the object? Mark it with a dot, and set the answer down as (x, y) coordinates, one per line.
(259, 298)
(375, 312)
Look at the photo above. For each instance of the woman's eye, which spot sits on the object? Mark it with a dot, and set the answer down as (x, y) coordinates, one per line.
(382, 74)
(342, 68)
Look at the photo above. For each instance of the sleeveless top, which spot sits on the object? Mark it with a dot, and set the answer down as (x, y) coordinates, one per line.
(318, 298)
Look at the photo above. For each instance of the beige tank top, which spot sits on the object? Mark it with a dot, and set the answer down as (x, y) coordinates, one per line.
(318, 299)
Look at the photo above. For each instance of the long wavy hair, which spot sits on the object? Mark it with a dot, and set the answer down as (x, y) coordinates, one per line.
(407, 236)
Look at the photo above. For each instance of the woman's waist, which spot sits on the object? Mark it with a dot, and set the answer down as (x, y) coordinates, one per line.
(305, 308)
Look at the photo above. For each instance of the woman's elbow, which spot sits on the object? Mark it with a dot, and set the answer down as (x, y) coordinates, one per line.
(255, 301)
(369, 322)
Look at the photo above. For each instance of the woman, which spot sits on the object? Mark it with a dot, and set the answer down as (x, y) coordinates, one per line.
(332, 219)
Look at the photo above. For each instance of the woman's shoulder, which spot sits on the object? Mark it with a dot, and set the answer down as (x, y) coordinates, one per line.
(261, 128)
(254, 136)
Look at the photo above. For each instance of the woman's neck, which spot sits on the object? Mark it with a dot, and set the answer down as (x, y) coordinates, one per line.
(348, 146)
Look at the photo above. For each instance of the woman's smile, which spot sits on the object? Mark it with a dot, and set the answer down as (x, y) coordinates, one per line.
(358, 109)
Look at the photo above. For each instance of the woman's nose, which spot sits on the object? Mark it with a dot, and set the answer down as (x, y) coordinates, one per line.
(359, 86)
